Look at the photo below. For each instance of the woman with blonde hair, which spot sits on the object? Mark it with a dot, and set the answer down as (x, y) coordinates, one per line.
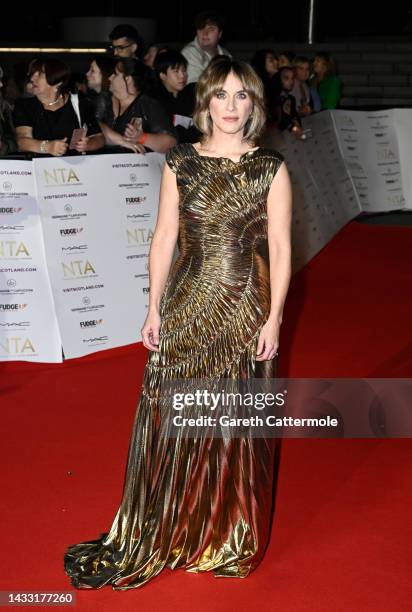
(193, 499)
(326, 81)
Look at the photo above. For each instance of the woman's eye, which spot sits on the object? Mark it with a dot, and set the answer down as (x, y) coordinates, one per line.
(220, 95)
(242, 95)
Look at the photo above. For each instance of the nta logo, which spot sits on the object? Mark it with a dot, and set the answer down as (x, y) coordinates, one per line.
(17, 346)
(12, 248)
(60, 176)
(138, 235)
(78, 268)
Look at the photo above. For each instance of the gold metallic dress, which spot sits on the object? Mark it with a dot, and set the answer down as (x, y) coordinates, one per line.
(199, 503)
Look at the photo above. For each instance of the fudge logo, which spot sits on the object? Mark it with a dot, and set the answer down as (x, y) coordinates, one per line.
(5, 307)
(9, 210)
(71, 231)
(136, 200)
(93, 323)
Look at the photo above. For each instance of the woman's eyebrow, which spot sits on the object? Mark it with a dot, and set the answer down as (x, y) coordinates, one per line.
(224, 91)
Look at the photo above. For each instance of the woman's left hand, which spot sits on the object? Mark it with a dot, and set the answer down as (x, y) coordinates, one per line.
(136, 148)
(82, 144)
(268, 342)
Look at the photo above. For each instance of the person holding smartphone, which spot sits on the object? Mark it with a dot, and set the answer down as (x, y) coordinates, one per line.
(154, 131)
(46, 123)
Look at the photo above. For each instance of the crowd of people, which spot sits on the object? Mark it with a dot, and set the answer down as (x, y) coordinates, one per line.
(141, 99)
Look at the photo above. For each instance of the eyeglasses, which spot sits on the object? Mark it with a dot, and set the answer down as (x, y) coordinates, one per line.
(114, 47)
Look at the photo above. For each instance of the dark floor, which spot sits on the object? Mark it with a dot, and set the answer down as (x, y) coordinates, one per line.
(395, 217)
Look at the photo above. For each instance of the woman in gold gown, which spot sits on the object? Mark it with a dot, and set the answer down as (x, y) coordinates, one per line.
(204, 503)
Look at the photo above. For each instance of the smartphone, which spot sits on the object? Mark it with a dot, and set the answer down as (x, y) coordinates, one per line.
(77, 135)
(137, 123)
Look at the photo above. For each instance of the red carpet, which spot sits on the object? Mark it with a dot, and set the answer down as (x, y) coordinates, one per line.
(342, 532)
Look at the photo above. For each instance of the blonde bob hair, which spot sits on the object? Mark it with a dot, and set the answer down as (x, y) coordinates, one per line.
(212, 80)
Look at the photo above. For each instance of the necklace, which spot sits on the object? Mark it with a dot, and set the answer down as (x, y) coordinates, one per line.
(54, 102)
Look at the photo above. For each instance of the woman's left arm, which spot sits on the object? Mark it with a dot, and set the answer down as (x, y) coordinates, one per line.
(157, 132)
(160, 143)
(279, 212)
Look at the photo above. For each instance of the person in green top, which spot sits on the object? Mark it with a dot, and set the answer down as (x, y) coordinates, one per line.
(326, 81)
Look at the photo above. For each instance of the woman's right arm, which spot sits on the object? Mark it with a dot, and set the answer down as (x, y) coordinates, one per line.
(26, 143)
(161, 254)
(111, 137)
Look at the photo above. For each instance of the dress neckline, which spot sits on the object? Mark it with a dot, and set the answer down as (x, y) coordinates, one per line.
(223, 157)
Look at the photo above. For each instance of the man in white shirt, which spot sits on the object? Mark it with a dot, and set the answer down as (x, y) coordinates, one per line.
(205, 46)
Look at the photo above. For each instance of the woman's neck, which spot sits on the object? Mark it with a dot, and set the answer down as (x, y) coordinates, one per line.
(50, 98)
(222, 143)
(126, 100)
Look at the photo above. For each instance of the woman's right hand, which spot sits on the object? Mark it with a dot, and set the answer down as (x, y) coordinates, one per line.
(57, 147)
(150, 331)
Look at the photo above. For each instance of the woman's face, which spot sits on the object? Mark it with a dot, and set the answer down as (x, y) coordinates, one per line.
(120, 86)
(94, 77)
(271, 64)
(39, 83)
(230, 106)
(319, 66)
(283, 61)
